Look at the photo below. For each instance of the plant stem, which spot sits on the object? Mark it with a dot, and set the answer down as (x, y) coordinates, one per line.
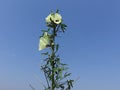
(53, 57)
(53, 83)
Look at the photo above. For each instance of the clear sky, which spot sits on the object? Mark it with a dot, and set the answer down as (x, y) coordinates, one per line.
(90, 46)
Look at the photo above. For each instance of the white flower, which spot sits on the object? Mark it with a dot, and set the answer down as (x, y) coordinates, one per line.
(48, 18)
(44, 41)
(56, 18)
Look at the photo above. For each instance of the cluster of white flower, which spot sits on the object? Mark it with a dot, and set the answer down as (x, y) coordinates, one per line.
(45, 39)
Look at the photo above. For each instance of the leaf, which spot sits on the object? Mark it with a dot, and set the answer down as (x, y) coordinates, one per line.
(44, 30)
(63, 64)
(57, 47)
(71, 83)
(62, 86)
(45, 53)
(60, 74)
(63, 27)
(57, 11)
(67, 74)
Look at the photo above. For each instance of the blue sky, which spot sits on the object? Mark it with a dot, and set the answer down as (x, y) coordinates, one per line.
(90, 46)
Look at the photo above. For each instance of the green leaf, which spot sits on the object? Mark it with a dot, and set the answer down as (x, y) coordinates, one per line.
(71, 83)
(44, 30)
(67, 74)
(57, 47)
(45, 53)
(60, 74)
(62, 86)
(57, 11)
(63, 27)
(63, 64)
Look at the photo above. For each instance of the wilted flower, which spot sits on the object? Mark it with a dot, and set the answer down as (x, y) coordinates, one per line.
(55, 17)
(44, 41)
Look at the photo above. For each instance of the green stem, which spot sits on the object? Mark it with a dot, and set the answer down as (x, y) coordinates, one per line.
(53, 57)
(53, 81)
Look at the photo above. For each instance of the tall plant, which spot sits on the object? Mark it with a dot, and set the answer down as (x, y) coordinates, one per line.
(55, 71)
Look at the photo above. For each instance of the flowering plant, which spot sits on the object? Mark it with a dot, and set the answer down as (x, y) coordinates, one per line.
(54, 71)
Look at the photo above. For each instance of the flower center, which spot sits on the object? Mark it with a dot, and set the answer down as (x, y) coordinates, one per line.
(56, 20)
